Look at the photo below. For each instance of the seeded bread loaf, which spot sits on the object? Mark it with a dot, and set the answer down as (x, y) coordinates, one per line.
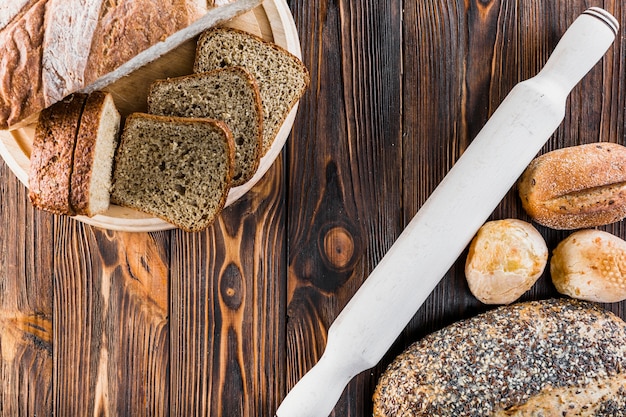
(281, 77)
(178, 169)
(546, 358)
(52, 157)
(96, 142)
(52, 48)
(230, 95)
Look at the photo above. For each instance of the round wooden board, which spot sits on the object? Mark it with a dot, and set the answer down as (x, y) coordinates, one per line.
(272, 20)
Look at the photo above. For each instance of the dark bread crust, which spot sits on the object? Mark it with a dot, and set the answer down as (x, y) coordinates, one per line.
(51, 161)
(20, 65)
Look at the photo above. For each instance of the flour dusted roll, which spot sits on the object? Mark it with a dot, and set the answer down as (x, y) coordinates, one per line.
(557, 357)
(576, 187)
(589, 265)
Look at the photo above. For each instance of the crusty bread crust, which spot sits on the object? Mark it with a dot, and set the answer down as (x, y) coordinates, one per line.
(124, 30)
(589, 265)
(576, 187)
(51, 161)
(20, 66)
(504, 260)
(86, 151)
(567, 353)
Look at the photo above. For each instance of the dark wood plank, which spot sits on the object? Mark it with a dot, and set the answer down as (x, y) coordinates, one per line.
(460, 59)
(345, 165)
(26, 338)
(227, 308)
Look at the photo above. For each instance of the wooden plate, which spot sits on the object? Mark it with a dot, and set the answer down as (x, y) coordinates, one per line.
(272, 21)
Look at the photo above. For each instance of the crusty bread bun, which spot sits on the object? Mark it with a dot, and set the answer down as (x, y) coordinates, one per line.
(558, 357)
(590, 265)
(577, 187)
(505, 259)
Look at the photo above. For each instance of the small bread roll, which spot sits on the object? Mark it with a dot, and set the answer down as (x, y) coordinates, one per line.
(505, 259)
(576, 187)
(590, 265)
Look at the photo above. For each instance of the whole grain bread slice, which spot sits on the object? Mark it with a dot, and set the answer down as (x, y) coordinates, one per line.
(178, 169)
(96, 142)
(52, 156)
(281, 76)
(230, 95)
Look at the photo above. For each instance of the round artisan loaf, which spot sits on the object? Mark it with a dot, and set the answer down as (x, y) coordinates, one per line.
(589, 265)
(576, 187)
(554, 357)
(505, 259)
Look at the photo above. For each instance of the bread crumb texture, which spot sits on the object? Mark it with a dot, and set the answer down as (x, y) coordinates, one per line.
(557, 357)
(590, 265)
(178, 169)
(281, 76)
(505, 259)
(230, 95)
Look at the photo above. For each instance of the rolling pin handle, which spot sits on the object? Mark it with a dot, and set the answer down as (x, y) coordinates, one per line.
(580, 48)
(318, 391)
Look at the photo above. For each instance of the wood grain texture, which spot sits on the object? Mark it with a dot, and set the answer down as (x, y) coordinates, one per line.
(224, 322)
(26, 336)
(227, 308)
(345, 196)
(111, 304)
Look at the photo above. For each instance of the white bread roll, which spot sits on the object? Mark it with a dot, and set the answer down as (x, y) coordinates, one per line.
(590, 265)
(505, 259)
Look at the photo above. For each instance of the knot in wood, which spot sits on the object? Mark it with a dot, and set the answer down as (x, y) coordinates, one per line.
(231, 287)
(338, 247)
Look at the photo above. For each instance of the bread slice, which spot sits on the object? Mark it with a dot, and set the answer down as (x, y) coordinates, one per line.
(52, 157)
(230, 95)
(178, 169)
(93, 155)
(553, 357)
(281, 76)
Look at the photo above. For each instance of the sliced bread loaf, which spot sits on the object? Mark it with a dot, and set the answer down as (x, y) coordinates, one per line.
(52, 157)
(281, 76)
(93, 156)
(178, 169)
(230, 95)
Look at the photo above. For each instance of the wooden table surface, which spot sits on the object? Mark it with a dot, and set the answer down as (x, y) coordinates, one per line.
(224, 322)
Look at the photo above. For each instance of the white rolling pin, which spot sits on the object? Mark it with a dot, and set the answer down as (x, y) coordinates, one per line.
(448, 220)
